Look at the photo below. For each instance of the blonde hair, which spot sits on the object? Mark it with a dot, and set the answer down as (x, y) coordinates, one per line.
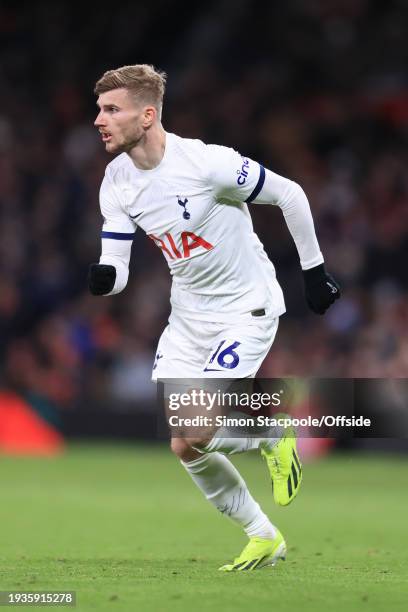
(142, 80)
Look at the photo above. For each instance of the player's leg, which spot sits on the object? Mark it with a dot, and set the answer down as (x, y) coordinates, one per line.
(224, 487)
(213, 473)
(280, 454)
(251, 344)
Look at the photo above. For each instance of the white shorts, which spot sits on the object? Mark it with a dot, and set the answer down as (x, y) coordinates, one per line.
(200, 349)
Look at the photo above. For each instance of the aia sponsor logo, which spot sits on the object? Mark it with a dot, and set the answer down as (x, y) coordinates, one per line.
(187, 240)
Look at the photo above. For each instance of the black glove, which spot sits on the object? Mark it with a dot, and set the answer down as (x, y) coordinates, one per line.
(321, 290)
(101, 278)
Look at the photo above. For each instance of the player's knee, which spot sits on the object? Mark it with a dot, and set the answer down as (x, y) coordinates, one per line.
(184, 450)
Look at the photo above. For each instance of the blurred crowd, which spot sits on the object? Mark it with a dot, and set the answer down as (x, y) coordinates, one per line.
(316, 90)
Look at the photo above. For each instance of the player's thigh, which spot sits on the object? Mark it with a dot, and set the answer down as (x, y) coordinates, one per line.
(181, 350)
(237, 351)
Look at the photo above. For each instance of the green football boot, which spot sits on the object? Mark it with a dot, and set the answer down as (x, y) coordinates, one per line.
(284, 466)
(258, 553)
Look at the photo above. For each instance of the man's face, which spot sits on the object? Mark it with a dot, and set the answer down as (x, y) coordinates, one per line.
(120, 121)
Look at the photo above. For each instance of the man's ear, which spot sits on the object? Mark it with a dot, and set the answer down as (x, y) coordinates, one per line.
(149, 116)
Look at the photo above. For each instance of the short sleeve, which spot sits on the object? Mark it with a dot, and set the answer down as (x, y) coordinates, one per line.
(232, 175)
(116, 222)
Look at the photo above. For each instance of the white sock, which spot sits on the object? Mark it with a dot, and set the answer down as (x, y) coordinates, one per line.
(225, 444)
(232, 440)
(225, 488)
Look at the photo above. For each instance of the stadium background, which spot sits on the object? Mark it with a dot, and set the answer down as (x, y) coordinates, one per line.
(316, 90)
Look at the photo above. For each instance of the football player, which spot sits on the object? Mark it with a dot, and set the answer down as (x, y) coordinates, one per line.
(193, 200)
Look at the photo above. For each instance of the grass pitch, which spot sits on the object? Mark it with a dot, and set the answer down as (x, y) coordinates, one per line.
(127, 530)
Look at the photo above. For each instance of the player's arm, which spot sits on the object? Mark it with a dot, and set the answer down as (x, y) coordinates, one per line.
(321, 290)
(110, 275)
(241, 179)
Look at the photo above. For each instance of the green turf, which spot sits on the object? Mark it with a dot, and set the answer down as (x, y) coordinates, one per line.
(126, 529)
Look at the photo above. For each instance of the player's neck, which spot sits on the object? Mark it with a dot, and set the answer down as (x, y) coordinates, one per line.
(148, 153)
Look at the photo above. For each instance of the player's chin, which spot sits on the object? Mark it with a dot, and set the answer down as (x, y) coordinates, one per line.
(110, 146)
(114, 147)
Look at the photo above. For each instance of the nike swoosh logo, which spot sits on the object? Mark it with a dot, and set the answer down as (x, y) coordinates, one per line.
(136, 216)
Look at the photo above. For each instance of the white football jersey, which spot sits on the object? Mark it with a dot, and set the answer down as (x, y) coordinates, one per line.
(193, 206)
